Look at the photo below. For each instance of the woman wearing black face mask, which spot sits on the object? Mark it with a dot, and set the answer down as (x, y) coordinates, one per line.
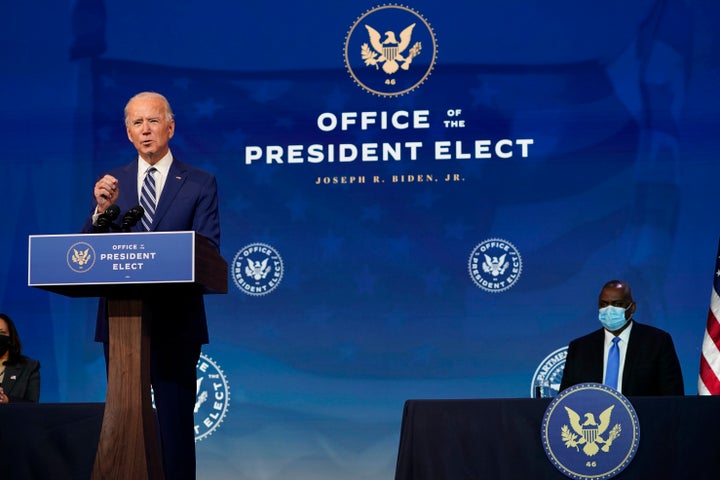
(19, 375)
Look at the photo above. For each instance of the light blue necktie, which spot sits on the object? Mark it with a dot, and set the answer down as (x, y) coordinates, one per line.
(613, 364)
(148, 198)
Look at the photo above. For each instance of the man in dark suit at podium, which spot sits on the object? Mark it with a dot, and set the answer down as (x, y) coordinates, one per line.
(175, 197)
(645, 359)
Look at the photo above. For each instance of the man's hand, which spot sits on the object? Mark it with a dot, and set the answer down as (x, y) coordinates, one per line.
(106, 192)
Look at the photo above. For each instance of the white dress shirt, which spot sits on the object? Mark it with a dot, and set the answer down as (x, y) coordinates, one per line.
(163, 168)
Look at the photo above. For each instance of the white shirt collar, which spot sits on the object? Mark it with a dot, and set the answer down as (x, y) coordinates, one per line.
(624, 336)
(163, 165)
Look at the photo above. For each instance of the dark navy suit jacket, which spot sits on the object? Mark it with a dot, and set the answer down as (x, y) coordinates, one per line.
(22, 380)
(188, 201)
(651, 363)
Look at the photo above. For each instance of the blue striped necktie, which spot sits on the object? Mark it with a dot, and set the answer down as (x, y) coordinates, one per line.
(148, 198)
(613, 364)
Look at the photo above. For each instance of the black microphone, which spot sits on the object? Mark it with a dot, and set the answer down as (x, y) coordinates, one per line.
(131, 217)
(105, 220)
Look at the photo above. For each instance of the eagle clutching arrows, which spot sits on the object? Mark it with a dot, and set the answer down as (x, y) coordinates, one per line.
(590, 432)
(390, 51)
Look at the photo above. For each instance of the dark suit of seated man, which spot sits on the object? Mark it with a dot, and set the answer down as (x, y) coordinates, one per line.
(648, 363)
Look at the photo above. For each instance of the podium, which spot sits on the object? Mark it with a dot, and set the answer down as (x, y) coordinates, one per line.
(126, 268)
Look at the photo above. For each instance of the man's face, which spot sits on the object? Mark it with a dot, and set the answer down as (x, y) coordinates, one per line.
(148, 128)
(617, 297)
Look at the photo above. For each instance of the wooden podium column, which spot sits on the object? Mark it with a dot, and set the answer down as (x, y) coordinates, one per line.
(128, 446)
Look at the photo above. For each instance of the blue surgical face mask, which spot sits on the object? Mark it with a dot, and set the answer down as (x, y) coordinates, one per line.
(612, 318)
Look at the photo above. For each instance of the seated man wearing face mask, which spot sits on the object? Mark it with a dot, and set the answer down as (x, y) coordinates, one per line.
(633, 358)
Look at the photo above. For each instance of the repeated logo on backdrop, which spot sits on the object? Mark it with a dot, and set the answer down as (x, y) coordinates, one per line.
(213, 397)
(257, 269)
(495, 265)
(548, 376)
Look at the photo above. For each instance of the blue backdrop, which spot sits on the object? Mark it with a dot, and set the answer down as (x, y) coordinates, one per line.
(578, 135)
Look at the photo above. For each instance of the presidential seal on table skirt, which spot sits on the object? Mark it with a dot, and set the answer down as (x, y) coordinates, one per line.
(590, 431)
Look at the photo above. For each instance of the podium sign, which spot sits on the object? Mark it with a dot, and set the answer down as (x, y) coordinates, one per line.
(82, 265)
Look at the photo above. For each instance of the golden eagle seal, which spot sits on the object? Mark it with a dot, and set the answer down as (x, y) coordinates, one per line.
(81, 258)
(398, 41)
(592, 445)
(589, 432)
(389, 51)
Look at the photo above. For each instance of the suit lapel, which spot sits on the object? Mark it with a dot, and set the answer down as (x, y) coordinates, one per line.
(11, 376)
(631, 354)
(173, 183)
(597, 361)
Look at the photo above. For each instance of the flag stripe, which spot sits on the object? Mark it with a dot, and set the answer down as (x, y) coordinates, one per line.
(713, 326)
(709, 376)
(709, 383)
(710, 346)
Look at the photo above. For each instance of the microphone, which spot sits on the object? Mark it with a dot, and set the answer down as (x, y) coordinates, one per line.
(131, 217)
(105, 220)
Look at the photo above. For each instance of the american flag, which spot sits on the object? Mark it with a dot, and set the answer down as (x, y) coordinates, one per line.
(709, 379)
